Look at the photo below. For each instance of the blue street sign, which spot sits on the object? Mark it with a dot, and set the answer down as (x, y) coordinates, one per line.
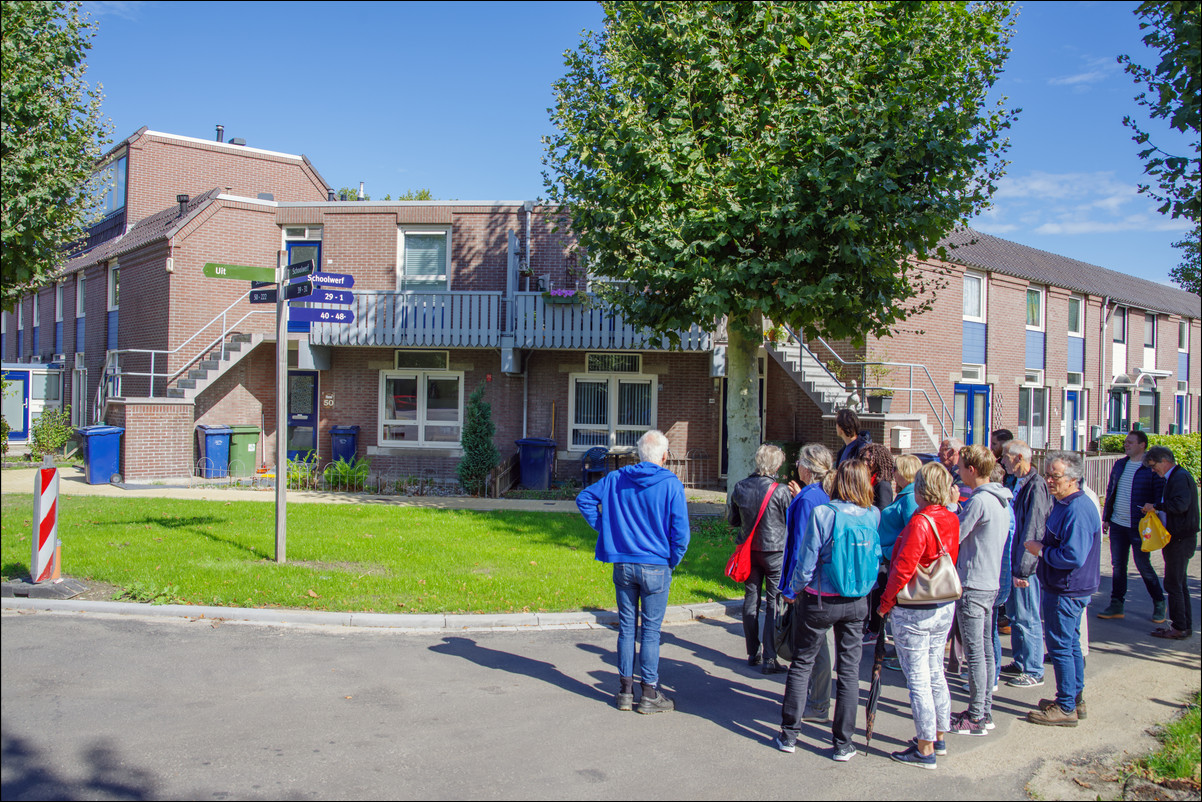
(267, 296)
(334, 281)
(312, 315)
(298, 289)
(324, 296)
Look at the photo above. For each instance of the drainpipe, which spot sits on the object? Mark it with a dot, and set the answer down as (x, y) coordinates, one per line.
(1107, 311)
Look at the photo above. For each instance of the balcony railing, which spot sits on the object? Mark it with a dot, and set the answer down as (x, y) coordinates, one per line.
(455, 319)
(478, 319)
(539, 324)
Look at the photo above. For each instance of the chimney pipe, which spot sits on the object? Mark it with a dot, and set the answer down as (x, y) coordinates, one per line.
(220, 132)
(330, 194)
(361, 193)
(182, 200)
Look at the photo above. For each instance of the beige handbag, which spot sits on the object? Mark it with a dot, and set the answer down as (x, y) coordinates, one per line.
(935, 583)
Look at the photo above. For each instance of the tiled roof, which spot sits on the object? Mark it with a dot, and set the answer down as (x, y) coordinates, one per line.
(974, 249)
(157, 226)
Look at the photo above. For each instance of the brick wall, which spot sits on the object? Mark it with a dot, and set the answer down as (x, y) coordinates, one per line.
(158, 438)
(162, 167)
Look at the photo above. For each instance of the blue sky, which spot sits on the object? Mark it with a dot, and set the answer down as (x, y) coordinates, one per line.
(453, 96)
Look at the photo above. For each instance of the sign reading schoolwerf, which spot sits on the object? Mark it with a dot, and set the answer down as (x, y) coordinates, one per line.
(239, 272)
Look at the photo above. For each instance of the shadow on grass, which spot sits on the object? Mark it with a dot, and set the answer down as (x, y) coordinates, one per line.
(195, 525)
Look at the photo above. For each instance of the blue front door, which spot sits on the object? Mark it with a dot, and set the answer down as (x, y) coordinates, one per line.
(970, 416)
(302, 414)
(16, 403)
(1072, 403)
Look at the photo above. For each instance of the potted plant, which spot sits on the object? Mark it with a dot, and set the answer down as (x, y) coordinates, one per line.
(881, 400)
(563, 297)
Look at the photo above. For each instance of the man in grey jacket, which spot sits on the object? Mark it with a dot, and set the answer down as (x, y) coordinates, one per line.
(984, 525)
(1031, 508)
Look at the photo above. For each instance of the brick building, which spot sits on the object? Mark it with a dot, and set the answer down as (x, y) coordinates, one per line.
(449, 296)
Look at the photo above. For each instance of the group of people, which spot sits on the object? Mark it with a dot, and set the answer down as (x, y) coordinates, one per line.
(844, 544)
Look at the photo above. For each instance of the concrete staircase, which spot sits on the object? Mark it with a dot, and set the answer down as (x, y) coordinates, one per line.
(830, 396)
(213, 365)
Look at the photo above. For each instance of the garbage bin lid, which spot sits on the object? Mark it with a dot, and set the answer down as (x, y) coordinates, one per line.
(91, 431)
(243, 428)
(536, 441)
(344, 430)
(207, 429)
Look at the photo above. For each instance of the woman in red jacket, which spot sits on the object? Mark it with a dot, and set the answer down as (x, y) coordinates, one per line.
(920, 630)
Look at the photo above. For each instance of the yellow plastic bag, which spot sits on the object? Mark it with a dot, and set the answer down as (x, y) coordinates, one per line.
(1152, 532)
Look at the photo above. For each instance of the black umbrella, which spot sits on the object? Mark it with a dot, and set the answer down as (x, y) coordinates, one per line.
(874, 688)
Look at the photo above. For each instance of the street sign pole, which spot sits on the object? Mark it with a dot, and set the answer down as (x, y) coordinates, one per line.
(281, 415)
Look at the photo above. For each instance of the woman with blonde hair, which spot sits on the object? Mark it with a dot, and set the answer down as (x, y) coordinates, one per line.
(832, 588)
(920, 630)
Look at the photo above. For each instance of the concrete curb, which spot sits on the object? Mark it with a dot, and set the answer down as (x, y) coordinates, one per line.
(406, 622)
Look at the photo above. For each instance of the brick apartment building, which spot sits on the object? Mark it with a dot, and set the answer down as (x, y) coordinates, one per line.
(449, 296)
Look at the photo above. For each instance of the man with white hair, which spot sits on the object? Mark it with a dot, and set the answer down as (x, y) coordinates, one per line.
(1069, 572)
(642, 525)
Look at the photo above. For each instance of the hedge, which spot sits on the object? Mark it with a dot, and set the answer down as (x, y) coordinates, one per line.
(1186, 448)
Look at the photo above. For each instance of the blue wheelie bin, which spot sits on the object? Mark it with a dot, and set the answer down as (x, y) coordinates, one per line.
(536, 456)
(101, 453)
(344, 442)
(214, 451)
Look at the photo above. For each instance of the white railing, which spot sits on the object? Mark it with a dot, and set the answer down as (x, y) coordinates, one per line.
(456, 319)
(539, 324)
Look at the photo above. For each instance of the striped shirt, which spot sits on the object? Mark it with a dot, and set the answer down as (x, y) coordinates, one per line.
(1121, 514)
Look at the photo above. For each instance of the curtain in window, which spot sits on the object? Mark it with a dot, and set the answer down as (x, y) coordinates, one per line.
(591, 418)
(425, 261)
(1033, 309)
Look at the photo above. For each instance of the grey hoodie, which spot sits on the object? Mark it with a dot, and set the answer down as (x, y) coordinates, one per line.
(984, 525)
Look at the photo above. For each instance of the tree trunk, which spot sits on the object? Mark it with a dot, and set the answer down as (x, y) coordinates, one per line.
(742, 399)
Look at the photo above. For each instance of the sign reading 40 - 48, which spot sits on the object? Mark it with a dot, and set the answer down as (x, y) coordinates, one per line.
(311, 315)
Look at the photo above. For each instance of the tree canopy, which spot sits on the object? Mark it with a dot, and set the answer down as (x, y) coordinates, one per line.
(781, 158)
(776, 159)
(1174, 94)
(52, 135)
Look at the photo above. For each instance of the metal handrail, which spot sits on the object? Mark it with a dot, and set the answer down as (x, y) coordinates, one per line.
(941, 414)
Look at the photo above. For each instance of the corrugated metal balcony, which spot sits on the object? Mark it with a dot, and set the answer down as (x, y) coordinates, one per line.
(448, 319)
(479, 319)
(538, 324)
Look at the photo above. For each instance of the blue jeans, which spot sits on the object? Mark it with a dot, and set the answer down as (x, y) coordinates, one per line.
(920, 636)
(1026, 628)
(645, 586)
(1062, 631)
(974, 613)
(1124, 542)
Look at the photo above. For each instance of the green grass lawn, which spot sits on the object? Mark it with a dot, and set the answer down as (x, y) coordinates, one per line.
(346, 557)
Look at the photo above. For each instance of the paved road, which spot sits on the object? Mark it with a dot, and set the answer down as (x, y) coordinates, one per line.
(108, 707)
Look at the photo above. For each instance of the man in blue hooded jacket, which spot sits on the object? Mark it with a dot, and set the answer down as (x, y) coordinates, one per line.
(642, 525)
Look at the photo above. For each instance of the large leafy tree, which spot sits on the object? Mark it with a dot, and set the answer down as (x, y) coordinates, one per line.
(1174, 94)
(52, 135)
(778, 160)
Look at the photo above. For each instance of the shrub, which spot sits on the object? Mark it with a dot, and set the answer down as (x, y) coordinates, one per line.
(50, 432)
(1186, 448)
(344, 475)
(479, 452)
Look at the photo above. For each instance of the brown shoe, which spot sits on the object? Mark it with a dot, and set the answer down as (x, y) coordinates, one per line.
(1169, 633)
(1053, 716)
(1044, 704)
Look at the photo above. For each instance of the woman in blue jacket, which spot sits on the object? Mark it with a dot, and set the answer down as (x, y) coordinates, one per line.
(831, 597)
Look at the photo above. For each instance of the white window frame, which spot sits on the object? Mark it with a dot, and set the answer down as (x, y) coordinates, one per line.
(307, 233)
(614, 379)
(81, 295)
(972, 373)
(113, 288)
(60, 290)
(422, 376)
(1183, 336)
(1075, 380)
(1080, 301)
(983, 283)
(37, 310)
(1025, 432)
(1150, 316)
(423, 230)
(1119, 334)
(1032, 378)
(20, 314)
(1039, 324)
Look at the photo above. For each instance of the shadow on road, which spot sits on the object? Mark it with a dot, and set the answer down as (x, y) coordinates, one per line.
(28, 774)
(471, 651)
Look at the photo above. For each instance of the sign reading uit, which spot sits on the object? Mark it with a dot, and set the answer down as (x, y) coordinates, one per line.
(239, 272)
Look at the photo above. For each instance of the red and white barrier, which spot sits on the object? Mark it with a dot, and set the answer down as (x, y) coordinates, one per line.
(43, 564)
